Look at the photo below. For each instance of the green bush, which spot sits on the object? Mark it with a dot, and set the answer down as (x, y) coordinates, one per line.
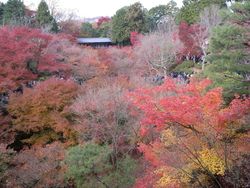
(90, 166)
(187, 67)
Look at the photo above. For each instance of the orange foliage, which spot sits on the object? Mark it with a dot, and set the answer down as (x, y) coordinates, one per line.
(43, 108)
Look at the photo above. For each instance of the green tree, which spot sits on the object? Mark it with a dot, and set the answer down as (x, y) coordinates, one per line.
(126, 20)
(136, 17)
(120, 26)
(230, 55)
(1, 12)
(43, 16)
(54, 27)
(89, 166)
(191, 9)
(14, 11)
(87, 30)
(157, 14)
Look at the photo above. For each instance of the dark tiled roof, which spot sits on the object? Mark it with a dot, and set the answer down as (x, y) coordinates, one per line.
(93, 40)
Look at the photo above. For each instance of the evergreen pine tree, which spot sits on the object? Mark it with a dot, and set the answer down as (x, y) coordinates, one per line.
(54, 27)
(230, 57)
(14, 11)
(43, 16)
(1, 12)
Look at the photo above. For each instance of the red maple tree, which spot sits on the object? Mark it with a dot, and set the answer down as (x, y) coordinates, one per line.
(23, 56)
(187, 35)
(186, 128)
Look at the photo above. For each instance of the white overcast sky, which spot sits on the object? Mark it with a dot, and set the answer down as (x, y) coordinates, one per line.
(93, 8)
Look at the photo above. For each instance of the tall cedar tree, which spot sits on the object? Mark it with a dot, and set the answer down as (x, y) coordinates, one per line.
(14, 11)
(43, 16)
(230, 45)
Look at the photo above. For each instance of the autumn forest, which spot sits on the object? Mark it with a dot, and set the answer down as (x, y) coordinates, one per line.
(165, 106)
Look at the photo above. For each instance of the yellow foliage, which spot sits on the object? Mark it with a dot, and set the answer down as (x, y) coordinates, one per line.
(167, 178)
(168, 138)
(212, 161)
(163, 181)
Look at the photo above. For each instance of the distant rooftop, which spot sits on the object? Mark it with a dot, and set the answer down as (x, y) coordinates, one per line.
(93, 40)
